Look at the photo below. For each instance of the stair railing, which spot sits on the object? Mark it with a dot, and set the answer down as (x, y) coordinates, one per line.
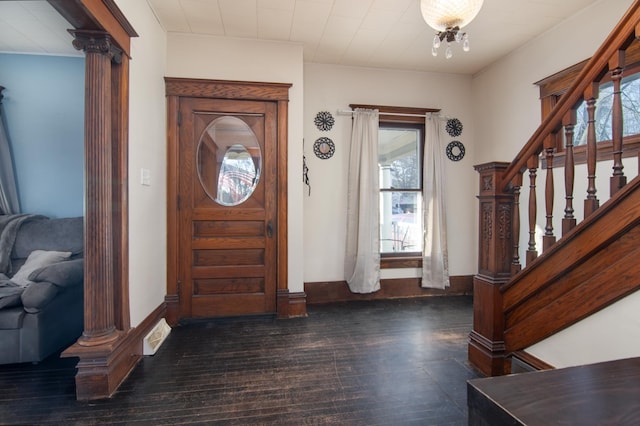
(501, 185)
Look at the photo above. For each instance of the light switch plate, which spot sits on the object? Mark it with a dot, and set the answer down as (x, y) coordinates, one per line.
(145, 177)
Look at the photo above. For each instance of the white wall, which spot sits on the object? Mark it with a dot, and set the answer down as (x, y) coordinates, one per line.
(506, 109)
(210, 57)
(592, 339)
(329, 88)
(147, 149)
(505, 99)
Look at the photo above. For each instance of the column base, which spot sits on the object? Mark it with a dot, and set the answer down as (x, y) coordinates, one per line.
(102, 368)
(100, 339)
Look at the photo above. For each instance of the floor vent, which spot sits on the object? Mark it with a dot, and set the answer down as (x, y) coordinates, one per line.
(154, 339)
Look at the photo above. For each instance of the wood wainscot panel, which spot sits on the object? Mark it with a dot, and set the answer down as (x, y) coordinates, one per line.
(249, 257)
(220, 228)
(523, 361)
(228, 285)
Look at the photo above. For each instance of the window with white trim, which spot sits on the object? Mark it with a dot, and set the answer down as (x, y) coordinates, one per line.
(400, 168)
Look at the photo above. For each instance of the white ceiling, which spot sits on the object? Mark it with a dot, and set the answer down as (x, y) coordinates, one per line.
(370, 33)
(34, 27)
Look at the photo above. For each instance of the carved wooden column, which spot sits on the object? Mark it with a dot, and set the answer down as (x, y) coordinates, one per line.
(99, 324)
(109, 348)
(106, 349)
(120, 213)
(486, 348)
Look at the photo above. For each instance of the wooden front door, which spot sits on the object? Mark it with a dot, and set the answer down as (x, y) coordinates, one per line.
(227, 171)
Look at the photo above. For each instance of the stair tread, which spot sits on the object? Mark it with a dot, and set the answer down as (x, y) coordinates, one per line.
(606, 393)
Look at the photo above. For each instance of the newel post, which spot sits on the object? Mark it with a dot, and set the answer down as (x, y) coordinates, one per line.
(486, 348)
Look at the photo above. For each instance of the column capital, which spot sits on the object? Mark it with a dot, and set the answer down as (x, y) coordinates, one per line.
(92, 41)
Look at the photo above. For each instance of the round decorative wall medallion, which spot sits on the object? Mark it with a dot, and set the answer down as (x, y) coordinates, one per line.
(454, 127)
(455, 151)
(324, 148)
(324, 121)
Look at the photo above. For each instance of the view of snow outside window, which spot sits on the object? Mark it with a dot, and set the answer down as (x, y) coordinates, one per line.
(630, 90)
(400, 167)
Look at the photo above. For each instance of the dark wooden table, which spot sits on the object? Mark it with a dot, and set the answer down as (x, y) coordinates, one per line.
(600, 394)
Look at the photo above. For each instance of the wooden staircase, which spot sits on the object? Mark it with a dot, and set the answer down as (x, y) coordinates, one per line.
(594, 262)
(592, 266)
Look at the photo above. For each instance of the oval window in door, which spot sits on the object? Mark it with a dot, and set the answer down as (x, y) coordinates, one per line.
(229, 161)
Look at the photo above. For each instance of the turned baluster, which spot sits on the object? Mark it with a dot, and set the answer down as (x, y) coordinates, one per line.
(591, 203)
(569, 220)
(549, 239)
(515, 225)
(618, 180)
(532, 165)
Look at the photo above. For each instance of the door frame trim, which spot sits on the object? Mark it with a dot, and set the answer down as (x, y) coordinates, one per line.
(175, 88)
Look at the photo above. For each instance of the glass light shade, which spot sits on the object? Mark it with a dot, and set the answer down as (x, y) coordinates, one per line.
(465, 43)
(443, 14)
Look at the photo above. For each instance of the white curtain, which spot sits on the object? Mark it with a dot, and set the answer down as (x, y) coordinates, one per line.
(435, 263)
(362, 257)
(8, 191)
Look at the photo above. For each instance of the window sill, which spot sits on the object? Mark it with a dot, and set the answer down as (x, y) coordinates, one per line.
(400, 262)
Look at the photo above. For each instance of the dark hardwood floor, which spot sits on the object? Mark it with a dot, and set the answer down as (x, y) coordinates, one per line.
(393, 362)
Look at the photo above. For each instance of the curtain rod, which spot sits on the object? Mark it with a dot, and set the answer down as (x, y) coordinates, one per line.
(399, 114)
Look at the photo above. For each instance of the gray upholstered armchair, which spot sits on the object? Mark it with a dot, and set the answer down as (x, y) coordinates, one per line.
(42, 308)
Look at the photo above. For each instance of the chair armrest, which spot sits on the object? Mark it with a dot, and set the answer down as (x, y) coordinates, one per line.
(51, 280)
(63, 274)
(38, 295)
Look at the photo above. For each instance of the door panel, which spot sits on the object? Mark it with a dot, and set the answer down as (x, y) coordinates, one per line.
(227, 252)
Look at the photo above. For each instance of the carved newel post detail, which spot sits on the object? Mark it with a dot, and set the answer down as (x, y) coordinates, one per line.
(99, 323)
(486, 342)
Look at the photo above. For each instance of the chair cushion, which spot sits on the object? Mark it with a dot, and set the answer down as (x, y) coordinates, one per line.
(36, 260)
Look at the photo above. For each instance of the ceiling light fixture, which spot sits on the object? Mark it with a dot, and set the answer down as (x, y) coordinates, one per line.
(448, 17)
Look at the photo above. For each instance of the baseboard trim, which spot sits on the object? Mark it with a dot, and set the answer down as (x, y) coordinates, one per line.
(103, 368)
(522, 361)
(147, 325)
(338, 291)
